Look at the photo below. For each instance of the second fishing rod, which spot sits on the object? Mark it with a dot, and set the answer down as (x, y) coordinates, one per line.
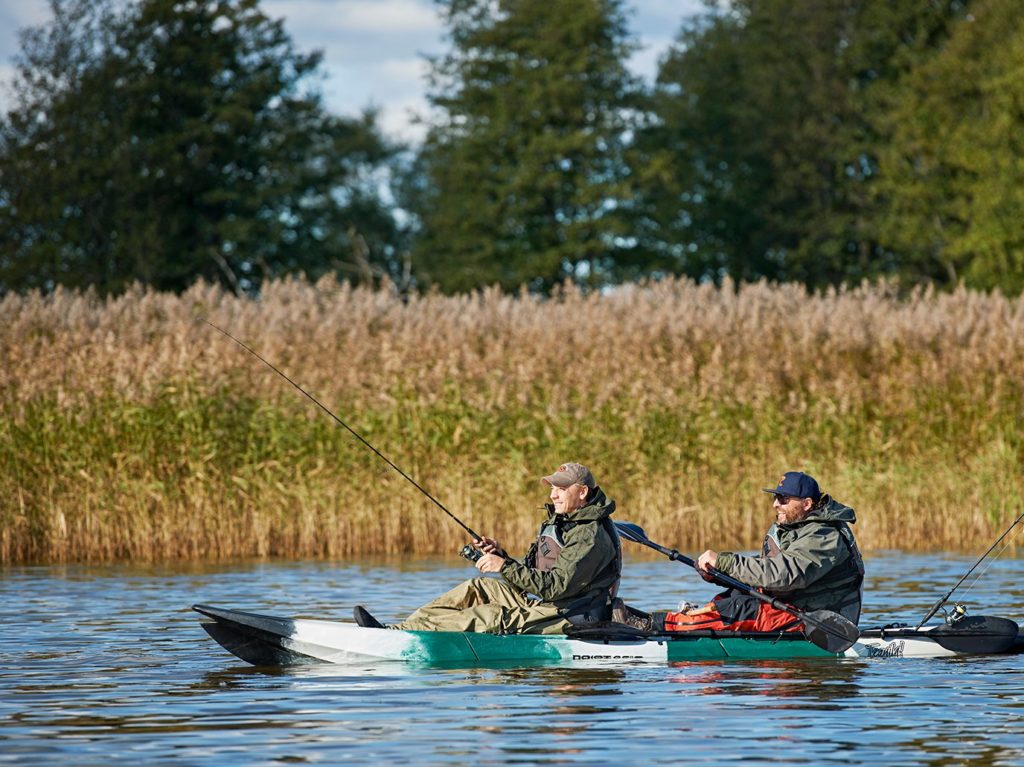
(467, 551)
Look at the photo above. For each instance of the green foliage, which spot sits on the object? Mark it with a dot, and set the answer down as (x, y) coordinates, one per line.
(819, 141)
(952, 181)
(523, 174)
(760, 161)
(172, 141)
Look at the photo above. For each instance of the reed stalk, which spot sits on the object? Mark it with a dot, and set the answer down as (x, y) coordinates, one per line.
(131, 431)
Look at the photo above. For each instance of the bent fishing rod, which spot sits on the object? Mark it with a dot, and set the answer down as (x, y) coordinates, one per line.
(350, 430)
(938, 605)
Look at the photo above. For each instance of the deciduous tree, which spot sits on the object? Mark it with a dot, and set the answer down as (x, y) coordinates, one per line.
(174, 140)
(952, 183)
(764, 151)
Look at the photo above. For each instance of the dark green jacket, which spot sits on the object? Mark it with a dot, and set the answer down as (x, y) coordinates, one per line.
(589, 564)
(813, 564)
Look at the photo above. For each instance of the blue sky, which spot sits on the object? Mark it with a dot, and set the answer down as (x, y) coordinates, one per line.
(374, 49)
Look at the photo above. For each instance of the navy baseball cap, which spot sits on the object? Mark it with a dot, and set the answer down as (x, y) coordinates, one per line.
(798, 485)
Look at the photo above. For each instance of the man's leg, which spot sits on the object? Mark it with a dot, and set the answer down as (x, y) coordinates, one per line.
(485, 605)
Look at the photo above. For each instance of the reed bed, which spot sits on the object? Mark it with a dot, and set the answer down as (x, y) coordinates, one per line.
(132, 431)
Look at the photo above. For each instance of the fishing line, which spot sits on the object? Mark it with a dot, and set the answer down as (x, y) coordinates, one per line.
(350, 430)
(938, 605)
(992, 561)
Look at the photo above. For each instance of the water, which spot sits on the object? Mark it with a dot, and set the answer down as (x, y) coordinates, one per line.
(108, 665)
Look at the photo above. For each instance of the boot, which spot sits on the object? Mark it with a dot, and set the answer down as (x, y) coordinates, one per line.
(619, 613)
(639, 619)
(623, 613)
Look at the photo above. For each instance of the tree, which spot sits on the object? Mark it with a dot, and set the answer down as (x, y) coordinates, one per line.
(761, 159)
(175, 140)
(952, 181)
(523, 176)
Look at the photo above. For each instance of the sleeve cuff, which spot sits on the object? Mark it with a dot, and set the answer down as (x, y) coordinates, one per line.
(724, 561)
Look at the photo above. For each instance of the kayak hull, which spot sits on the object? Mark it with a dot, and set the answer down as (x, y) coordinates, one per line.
(265, 640)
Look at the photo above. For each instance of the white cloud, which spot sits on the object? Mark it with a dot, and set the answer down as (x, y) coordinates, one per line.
(397, 120)
(391, 17)
(15, 14)
(644, 62)
(383, 18)
(406, 69)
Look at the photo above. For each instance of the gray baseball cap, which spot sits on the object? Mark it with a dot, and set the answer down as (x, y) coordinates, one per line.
(571, 474)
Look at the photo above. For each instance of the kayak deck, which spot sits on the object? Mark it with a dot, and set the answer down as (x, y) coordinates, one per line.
(265, 640)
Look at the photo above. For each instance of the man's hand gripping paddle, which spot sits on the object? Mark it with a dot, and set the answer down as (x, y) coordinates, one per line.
(828, 630)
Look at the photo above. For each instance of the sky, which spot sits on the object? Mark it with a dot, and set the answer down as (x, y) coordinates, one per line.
(374, 49)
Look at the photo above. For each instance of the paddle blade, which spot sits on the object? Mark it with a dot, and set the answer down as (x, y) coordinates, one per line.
(830, 631)
(631, 532)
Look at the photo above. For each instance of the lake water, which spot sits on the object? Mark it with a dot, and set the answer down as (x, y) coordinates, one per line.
(108, 665)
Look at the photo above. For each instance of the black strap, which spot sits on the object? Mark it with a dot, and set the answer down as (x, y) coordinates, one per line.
(580, 612)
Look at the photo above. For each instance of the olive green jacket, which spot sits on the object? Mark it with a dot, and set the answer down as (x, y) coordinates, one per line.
(813, 564)
(589, 565)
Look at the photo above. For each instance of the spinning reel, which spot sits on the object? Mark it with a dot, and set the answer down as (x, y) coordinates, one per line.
(956, 613)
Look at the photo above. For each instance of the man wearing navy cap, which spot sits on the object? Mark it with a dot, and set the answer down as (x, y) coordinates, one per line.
(809, 559)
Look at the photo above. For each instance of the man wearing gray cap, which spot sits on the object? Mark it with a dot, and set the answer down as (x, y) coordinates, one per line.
(570, 574)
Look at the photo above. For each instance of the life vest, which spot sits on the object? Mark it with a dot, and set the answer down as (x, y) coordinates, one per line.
(590, 601)
(548, 547)
(850, 573)
(545, 550)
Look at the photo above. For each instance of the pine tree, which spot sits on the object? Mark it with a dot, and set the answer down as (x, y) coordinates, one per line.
(524, 178)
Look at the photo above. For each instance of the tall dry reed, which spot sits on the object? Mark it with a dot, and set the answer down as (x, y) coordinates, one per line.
(132, 431)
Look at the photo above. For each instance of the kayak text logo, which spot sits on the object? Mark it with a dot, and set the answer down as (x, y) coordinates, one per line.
(892, 650)
(607, 657)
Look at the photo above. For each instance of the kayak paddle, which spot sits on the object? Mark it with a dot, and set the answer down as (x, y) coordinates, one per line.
(828, 630)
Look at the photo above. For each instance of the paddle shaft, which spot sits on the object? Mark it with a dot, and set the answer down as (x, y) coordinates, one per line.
(350, 430)
(729, 582)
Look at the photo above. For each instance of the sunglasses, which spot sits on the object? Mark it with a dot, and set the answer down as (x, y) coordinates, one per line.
(783, 499)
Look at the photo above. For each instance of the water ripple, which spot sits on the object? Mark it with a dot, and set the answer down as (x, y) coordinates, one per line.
(108, 665)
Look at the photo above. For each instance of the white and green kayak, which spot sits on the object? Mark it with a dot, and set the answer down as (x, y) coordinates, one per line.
(265, 640)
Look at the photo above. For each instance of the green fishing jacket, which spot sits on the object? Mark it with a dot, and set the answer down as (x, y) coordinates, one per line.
(813, 564)
(586, 569)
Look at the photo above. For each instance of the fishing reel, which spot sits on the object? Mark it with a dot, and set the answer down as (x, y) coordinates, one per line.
(470, 553)
(956, 614)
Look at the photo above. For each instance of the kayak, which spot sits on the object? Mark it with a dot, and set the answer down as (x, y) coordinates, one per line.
(265, 640)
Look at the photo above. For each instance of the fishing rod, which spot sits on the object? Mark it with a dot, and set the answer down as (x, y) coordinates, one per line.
(351, 431)
(938, 605)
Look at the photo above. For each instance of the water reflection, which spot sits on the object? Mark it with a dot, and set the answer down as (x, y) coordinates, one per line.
(814, 681)
(562, 682)
(105, 665)
(240, 676)
(552, 709)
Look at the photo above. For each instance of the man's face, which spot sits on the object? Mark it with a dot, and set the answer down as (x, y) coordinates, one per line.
(567, 499)
(790, 509)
